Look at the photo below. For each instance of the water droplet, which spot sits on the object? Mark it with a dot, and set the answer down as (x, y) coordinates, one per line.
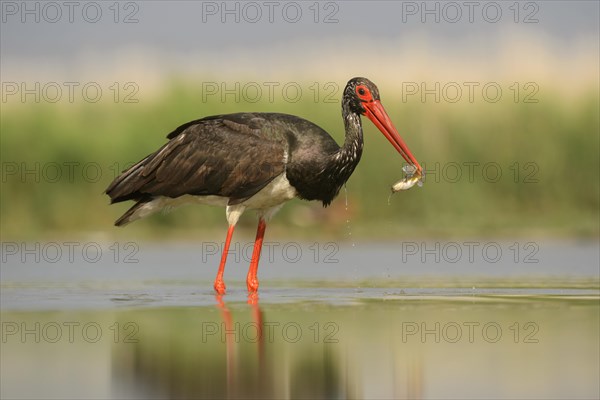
(346, 195)
(348, 227)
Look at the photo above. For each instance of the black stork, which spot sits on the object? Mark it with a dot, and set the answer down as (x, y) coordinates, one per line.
(254, 161)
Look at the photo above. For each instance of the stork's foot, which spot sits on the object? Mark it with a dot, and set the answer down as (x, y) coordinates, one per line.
(252, 284)
(219, 287)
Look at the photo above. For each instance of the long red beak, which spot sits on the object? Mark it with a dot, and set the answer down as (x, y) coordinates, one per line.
(376, 113)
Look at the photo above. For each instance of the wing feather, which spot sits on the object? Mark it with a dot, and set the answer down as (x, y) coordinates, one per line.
(232, 156)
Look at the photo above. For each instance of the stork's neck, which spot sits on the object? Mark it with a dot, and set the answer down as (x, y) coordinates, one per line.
(353, 142)
(344, 161)
(321, 176)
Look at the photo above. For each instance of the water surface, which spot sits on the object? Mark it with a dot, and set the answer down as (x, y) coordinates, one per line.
(366, 326)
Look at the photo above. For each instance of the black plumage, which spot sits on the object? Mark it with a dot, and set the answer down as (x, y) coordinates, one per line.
(236, 155)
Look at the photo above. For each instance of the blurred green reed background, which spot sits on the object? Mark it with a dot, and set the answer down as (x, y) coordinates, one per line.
(503, 169)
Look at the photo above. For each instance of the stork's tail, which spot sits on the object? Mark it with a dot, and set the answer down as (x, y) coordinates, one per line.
(142, 208)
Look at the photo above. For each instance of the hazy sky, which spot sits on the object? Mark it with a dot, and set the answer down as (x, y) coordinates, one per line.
(153, 37)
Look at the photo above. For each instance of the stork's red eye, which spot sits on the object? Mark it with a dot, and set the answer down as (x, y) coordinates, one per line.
(363, 93)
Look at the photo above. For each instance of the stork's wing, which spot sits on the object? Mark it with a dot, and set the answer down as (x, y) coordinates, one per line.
(229, 156)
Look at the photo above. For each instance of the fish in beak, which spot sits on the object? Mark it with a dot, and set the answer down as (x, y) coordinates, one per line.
(414, 173)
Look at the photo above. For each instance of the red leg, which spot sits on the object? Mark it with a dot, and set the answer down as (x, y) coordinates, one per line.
(252, 280)
(219, 284)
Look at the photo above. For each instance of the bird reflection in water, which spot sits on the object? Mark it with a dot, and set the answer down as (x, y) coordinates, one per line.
(230, 341)
(235, 352)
